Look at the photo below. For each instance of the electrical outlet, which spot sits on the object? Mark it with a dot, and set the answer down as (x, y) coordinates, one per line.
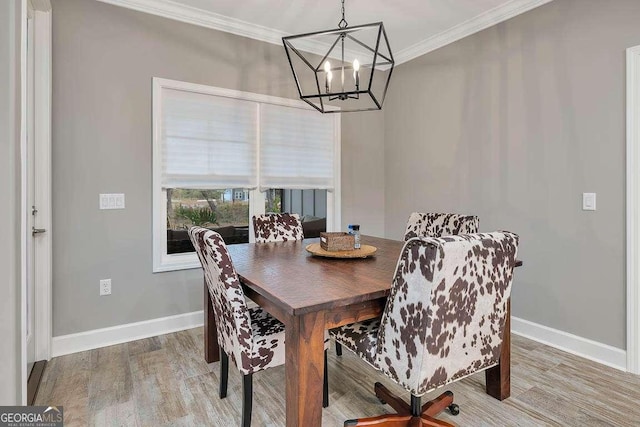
(105, 287)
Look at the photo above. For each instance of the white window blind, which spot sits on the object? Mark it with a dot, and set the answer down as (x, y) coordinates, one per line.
(208, 142)
(296, 148)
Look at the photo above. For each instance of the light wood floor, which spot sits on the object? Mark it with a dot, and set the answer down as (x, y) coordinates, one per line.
(164, 381)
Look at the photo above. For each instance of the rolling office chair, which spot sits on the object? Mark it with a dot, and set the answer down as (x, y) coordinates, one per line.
(443, 321)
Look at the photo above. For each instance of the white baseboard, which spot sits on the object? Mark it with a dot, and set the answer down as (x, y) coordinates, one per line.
(583, 347)
(73, 343)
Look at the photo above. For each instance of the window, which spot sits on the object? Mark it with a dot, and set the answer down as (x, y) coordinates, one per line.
(213, 209)
(221, 156)
(311, 205)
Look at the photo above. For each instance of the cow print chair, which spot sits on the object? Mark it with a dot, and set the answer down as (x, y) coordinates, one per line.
(440, 224)
(277, 227)
(251, 337)
(435, 225)
(443, 321)
(280, 228)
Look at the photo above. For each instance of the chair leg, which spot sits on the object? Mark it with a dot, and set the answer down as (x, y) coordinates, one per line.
(247, 399)
(416, 408)
(437, 405)
(338, 349)
(325, 384)
(388, 420)
(385, 396)
(224, 373)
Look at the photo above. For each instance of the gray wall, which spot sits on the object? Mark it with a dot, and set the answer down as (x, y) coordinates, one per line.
(514, 124)
(511, 124)
(363, 171)
(10, 271)
(104, 59)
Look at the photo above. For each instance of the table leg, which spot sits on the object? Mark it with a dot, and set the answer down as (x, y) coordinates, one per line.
(304, 369)
(498, 378)
(211, 349)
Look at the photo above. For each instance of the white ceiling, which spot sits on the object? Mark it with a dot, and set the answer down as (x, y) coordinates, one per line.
(414, 27)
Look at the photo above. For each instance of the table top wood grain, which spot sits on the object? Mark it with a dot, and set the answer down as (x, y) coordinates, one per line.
(315, 283)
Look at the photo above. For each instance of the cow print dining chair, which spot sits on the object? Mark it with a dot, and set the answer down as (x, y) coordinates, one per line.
(443, 321)
(252, 338)
(440, 224)
(281, 228)
(435, 225)
(277, 227)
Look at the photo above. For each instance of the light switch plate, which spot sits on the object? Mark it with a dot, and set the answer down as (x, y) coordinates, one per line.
(588, 201)
(112, 201)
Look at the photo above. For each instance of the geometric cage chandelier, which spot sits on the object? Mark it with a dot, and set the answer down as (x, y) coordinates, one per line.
(342, 70)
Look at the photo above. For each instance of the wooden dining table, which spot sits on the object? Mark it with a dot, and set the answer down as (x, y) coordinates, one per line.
(311, 294)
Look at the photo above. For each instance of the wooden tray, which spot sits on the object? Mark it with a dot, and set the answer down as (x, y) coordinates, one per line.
(364, 252)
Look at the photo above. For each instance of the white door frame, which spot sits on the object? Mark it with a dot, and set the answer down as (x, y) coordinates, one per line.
(43, 270)
(633, 209)
(40, 10)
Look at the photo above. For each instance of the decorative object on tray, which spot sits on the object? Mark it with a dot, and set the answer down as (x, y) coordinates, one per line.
(365, 251)
(355, 230)
(337, 241)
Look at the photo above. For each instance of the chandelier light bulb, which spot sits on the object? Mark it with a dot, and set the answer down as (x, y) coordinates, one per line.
(329, 76)
(356, 75)
(327, 67)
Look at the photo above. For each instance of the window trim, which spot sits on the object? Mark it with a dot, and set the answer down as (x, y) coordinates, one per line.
(162, 261)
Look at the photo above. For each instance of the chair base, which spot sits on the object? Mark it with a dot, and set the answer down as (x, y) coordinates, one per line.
(408, 415)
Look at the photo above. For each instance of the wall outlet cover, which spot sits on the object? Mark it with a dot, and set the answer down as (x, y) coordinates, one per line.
(105, 287)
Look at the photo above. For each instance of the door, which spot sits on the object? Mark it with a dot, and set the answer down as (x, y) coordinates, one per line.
(31, 212)
(36, 194)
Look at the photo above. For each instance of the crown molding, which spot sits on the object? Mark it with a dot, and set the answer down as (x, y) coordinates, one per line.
(467, 28)
(191, 15)
(204, 18)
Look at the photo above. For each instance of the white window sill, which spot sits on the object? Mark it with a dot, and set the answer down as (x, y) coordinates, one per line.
(177, 262)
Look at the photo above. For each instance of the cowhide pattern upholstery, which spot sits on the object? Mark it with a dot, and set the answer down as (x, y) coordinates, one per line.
(440, 224)
(252, 338)
(446, 312)
(277, 227)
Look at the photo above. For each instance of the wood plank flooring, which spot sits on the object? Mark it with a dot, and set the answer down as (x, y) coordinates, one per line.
(164, 381)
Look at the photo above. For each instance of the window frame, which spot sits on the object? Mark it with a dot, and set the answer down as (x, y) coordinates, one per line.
(162, 261)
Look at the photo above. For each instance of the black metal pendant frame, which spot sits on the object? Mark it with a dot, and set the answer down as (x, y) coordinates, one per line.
(342, 34)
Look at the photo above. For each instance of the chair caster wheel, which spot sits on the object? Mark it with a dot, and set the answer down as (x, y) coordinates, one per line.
(454, 409)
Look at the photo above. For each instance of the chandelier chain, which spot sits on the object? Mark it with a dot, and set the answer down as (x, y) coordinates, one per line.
(343, 22)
